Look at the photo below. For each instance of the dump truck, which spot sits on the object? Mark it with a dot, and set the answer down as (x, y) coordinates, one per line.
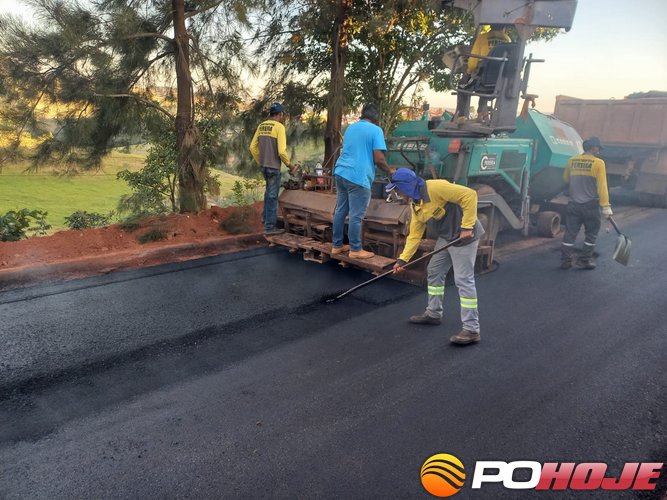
(633, 132)
(515, 164)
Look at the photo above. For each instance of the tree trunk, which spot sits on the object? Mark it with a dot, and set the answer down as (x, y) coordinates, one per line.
(191, 171)
(332, 134)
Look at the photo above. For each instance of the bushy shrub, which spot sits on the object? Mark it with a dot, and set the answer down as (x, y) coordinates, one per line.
(15, 224)
(86, 220)
(246, 192)
(152, 235)
(238, 221)
(130, 224)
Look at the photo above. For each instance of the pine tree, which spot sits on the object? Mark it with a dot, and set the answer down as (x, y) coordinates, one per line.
(103, 69)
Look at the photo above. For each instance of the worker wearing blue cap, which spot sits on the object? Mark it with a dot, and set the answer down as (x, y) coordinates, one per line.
(452, 210)
(269, 149)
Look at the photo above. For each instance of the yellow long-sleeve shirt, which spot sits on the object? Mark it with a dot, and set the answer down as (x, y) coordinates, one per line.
(587, 177)
(269, 144)
(439, 192)
(483, 44)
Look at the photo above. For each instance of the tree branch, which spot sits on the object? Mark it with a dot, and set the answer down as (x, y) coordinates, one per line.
(150, 35)
(147, 102)
(148, 66)
(195, 45)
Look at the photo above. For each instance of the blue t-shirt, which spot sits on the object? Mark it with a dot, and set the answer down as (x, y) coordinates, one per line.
(356, 160)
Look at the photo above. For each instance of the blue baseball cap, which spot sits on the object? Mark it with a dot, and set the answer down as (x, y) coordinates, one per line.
(407, 182)
(276, 108)
(592, 142)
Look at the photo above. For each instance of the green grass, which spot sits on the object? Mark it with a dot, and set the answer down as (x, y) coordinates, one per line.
(309, 152)
(61, 196)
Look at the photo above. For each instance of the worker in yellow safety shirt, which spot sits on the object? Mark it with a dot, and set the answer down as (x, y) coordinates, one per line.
(452, 210)
(587, 178)
(488, 37)
(269, 149)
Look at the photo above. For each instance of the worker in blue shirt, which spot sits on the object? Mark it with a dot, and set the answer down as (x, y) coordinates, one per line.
(363, 148)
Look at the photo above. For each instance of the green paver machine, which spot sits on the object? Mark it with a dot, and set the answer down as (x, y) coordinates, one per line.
(515, 164)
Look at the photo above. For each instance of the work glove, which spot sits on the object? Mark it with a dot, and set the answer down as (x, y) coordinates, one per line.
(606, 212)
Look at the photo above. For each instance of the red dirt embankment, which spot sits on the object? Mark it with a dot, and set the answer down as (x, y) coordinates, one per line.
(69, 254)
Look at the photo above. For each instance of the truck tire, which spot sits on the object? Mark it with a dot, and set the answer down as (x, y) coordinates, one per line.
(653, 200)
(548, 224)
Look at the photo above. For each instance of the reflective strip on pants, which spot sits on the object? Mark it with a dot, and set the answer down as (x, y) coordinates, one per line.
(463, 261)
(468, 303)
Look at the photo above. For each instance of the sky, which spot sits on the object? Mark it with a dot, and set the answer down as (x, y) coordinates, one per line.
(615, 48)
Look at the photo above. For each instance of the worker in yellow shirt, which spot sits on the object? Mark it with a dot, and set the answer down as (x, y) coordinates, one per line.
(453, 210)
(488, 37)
(269, 149)
(586, 176)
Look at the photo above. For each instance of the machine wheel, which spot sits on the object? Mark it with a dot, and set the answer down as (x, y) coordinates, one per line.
(548, 224)
(484, 221)
(484, 217)
(482, 188)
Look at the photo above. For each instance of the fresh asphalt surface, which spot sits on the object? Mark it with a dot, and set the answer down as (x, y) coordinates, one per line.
(228, 377)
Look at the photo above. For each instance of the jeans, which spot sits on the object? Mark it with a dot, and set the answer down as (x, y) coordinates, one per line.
(270, 213)
(353, 199)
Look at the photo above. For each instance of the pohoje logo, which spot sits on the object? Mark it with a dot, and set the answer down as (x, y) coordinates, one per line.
(443, 475)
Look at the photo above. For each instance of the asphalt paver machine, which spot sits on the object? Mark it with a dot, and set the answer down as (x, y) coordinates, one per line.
(515, 163)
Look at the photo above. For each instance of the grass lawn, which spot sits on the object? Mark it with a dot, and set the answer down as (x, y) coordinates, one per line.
(61, 196)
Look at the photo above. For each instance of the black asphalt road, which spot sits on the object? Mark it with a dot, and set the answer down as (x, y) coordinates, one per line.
(229, 378)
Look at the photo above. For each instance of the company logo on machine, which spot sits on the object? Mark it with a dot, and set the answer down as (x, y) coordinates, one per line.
(488, 163)
(560, 138)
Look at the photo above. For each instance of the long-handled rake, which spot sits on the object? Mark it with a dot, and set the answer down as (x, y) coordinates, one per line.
(330, 299)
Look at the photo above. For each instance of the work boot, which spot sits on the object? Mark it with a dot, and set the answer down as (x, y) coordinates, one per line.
(361, 254)
(585, 264)
(465, 337)
(566, 264)
(425, 319)
(273, 232)
(343, 249)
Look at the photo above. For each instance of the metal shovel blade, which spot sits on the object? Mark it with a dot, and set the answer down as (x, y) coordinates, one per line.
(623, 245)
(622, 250)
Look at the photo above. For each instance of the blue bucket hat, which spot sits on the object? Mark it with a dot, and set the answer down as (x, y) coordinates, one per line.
(406, 181)
(276, 108)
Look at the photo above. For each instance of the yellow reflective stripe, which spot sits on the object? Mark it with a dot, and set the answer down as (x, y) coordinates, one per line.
(436, 290)
(467, 303)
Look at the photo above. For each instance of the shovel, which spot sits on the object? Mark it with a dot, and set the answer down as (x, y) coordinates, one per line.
(391, 271)
(623, 245)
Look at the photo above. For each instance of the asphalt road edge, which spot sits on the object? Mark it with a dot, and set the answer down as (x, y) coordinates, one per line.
(110, 262)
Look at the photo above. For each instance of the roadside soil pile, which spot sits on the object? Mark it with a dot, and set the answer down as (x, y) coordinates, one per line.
(151, 241)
